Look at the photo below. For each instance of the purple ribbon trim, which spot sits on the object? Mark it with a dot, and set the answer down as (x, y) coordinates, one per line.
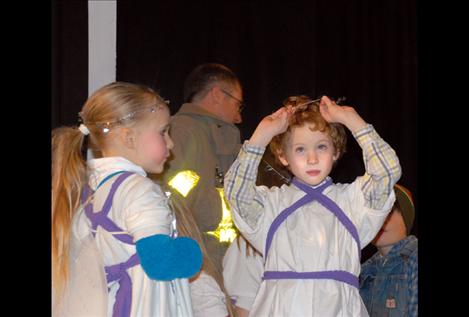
(288, 211)
(116, 272)
(100, 218)
(313, 194)
(341, 276)
(332, 206)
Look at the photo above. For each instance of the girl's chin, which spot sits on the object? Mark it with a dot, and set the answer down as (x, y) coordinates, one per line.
(155, 169)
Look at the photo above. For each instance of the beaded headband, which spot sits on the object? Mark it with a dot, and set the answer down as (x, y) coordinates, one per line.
(106, 126)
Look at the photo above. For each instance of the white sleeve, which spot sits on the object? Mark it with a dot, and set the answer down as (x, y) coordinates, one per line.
(242, 274)
(207, 297)
(370, 219)
(366, 219)
(145, 208)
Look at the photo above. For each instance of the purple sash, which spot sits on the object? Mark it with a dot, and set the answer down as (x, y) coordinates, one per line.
(311, 195)
(116, 272)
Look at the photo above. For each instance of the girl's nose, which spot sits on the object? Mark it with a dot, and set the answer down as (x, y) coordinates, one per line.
(169, 143)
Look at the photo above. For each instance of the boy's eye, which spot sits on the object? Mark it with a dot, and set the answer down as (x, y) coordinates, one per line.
(322, 146)
(299, 149)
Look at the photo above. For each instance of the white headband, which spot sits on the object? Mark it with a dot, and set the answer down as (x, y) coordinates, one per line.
(84, 129)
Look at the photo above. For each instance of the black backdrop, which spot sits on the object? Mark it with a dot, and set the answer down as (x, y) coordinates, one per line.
(69, 60)
(362, 49)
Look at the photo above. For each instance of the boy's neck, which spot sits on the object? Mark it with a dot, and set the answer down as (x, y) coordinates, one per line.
(384, 250)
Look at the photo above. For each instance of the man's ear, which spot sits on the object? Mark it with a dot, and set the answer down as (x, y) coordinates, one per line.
(217, 93)
(127, 137)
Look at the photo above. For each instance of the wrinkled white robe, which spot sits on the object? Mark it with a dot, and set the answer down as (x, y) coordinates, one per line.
(140, 208)
(312, 239)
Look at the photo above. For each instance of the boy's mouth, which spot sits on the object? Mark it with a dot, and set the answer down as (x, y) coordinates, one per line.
(313, 172)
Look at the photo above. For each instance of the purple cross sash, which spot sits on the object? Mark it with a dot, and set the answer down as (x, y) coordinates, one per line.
(333, 207)
(313, 194)
(101, 218)
(288, 211)
(116, 272)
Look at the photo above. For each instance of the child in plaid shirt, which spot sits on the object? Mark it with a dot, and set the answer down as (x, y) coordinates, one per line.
(311, 232)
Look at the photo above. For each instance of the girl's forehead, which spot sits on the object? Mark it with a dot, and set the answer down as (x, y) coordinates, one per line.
(163, 116)
(160, 117)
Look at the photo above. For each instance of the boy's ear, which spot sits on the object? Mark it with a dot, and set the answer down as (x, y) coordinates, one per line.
(336, 155)
(282, 158)
(127, 137)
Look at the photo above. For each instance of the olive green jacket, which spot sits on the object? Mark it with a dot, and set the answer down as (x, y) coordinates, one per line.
(202, 142)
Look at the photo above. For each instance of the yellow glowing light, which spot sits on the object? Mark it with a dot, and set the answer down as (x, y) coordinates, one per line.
(184, 181)
(225, 231)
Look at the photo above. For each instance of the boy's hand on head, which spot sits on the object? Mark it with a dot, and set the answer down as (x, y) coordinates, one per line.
(270, 126)
(331, 111)
(346, 115)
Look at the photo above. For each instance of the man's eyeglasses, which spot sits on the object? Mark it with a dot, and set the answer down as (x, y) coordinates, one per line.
(240, 102)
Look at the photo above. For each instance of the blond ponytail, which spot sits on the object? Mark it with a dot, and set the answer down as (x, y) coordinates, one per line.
(68, 177)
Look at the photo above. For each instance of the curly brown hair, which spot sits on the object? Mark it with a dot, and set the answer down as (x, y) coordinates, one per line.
(306, 111)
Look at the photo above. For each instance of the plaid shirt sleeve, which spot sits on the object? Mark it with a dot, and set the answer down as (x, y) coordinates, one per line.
(381, 164)
(240, 184)
(413, 280)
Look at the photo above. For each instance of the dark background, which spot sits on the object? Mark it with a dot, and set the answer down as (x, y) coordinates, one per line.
(361, 49)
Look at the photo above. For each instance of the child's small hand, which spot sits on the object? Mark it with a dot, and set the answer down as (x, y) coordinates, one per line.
(346, 115)
(277, 122)
(332, 112)
(270, 126)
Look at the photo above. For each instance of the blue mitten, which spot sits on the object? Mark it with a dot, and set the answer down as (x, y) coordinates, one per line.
(163, 258)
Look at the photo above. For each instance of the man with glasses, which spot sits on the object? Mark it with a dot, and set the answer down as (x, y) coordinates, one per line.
(206, 142)
(240, 106)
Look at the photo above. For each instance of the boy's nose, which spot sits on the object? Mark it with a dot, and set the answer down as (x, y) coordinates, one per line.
(312, 158)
